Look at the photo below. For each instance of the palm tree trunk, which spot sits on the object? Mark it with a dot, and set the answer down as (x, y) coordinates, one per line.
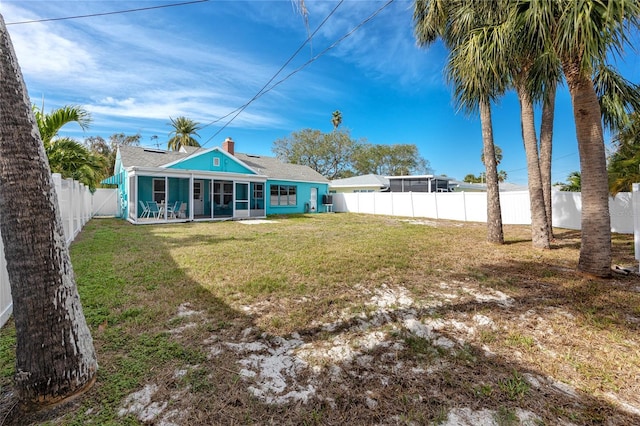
(595, 248)
(546, 140)
(539, 225)
(55, 357)
(494, 213)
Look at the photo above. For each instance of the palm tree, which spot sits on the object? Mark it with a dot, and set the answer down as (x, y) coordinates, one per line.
(183, 130)
(66, 156)
(55, 356)
(619, 98)
(462, 27)
(546, 148)
(624, 163)
(582, 35)
(50, 124)
(498, 151)
(574, 183)
(75, 161)
(336, 119)
(540, 221)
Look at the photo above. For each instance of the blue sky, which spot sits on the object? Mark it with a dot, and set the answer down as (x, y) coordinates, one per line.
(133, 71)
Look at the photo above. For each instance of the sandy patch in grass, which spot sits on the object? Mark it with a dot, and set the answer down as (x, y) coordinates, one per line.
(365, 347)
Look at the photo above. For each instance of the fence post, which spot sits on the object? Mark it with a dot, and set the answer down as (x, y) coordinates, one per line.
(435, 202)
(413, 209)
(77, 189)
(464, 205)
(82, 205)
(6, 302)
(635, 199)
(70, 208)
(374, 203)
(57, 182)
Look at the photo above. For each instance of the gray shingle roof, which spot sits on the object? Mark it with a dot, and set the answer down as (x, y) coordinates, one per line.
(276, 169)
(268, 166)
(364, 180)
(147, 157)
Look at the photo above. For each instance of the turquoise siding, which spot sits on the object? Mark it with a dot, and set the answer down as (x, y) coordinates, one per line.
(206, 160)
(303, 195)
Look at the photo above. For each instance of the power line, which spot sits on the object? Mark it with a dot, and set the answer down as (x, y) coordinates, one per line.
(264, 90)
(554, 159)
(106, 13)
(257, 95)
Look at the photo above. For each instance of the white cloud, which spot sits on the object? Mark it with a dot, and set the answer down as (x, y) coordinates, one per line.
(384, 47)
(132, 66)
(122, 68)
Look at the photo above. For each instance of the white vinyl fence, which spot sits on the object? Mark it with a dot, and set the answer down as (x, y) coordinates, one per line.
(472, 207)
(76, 207)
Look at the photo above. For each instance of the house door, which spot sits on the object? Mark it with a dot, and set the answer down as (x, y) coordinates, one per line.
(313, 202)
(241, 200)
(198, 198)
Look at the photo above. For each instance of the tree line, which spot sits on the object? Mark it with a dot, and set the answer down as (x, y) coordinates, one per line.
(336, 154)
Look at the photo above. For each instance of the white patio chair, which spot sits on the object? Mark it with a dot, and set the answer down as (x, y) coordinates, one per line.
(145, 209)
(182, 211)
(172, 211)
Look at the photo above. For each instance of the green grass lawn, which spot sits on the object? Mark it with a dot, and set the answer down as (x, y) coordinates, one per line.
(456, 323)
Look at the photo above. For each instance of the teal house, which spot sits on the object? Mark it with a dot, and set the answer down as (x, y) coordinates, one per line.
(197, 184)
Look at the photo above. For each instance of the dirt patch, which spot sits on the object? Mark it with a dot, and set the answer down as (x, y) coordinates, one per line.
(369, 348)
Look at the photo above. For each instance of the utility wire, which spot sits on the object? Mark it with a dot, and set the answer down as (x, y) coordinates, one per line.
(106, 13)
(239, 110)
(264, 90)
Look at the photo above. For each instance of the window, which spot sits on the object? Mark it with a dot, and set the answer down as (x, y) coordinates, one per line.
(158, 190)
(216, 162)
(223, 193)
(258, 191)
(283, 195)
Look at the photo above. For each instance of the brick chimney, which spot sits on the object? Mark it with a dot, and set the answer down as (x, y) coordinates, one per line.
(227, 145)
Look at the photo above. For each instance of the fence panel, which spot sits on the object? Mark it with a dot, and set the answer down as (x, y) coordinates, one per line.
(621, 210)
(6, 303)
(105, 202)
(75, 204)
(453, 206)
(515, 208)
(636, 219)
(472, 207)
(424, 204)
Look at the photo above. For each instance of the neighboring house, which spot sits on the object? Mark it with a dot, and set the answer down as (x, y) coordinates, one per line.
(364, 183)
(419, 183)
(458, 186)
(211, 184)
(377, 183)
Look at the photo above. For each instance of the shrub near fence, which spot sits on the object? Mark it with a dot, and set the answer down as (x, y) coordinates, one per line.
(75, 203)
